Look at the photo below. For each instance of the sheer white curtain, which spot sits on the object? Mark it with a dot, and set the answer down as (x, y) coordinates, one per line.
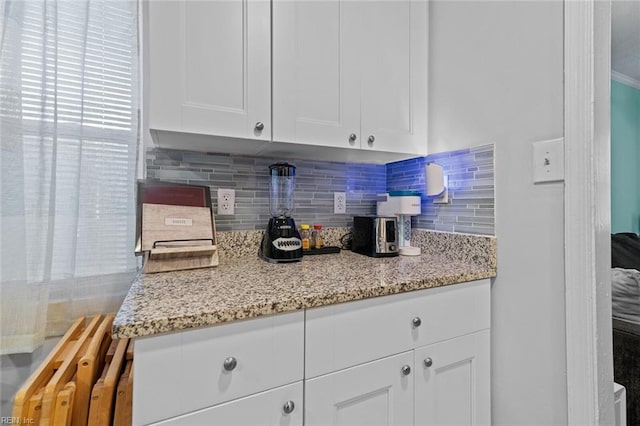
(69, 138)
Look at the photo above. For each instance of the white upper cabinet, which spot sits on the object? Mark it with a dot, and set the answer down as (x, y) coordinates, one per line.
(351, 74)
(394, 76)
(316, 87)
(209, 67)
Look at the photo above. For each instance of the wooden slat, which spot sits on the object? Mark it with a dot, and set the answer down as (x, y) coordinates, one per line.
(64, 405)
(110, 382)
(45, 371)
(66, 371)
(34, 407)
(111, 351)
(122, 412)
(89, 367)
(129, 354)
(65, 353)
(96, 399)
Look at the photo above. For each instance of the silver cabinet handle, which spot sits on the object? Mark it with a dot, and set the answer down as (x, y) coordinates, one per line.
(259, 126)
(352, 137)
(288, 407)
(371, 140)
(406, 370)
(230, 363)
(428, 362)
(416, 322)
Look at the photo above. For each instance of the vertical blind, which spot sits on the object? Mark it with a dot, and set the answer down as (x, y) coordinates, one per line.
(69, 127)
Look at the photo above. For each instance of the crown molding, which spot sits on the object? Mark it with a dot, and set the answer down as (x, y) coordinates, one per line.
(625, 79)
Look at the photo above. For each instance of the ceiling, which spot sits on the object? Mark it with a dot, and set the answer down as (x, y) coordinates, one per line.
(625, 38)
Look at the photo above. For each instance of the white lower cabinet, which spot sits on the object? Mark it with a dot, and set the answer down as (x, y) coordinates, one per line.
(416, 358)
(440, 377)
(447, 383)
(452, 383)
(281, 406)
(375, 393)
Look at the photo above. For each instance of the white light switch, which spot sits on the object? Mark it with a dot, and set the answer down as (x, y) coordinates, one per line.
(548, 161)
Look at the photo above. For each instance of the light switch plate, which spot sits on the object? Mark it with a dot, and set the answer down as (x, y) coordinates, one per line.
(548, 161)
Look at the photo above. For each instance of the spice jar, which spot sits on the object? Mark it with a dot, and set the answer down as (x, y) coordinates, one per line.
(316, 236)
(305, 236)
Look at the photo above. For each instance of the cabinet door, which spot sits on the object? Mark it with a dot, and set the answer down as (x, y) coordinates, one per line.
(375, 393)
(266, 408)
(209, 67)
(453, 381)
(394, 75)
(316, 87)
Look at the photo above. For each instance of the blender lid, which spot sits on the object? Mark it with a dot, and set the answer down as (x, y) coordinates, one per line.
(282, 169)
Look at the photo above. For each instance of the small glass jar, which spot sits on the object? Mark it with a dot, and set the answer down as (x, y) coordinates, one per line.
(316, 237)
(305, 236)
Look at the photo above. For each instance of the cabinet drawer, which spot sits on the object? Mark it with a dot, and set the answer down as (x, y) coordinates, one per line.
(347, 334)
(185, 371)
(265, 408)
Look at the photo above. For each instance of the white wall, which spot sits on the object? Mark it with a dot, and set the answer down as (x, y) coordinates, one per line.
(496, 75)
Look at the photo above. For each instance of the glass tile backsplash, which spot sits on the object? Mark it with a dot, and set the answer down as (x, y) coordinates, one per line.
(471, 190)
(470, 171)
(316, 181)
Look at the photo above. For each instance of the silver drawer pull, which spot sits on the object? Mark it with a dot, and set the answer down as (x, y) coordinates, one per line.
(416, 322)
(406, 370)
(230, 363)
(428, 362)
(288, 407)
(259, 126)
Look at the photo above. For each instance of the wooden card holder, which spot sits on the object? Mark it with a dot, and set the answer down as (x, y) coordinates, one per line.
(177, 237)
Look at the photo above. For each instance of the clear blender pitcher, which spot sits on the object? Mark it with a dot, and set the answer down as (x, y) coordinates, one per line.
(281, 185)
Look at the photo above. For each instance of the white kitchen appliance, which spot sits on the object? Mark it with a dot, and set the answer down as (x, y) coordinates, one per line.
(403, 205)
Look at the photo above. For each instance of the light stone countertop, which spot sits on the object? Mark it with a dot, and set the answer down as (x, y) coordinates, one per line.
(248, 287)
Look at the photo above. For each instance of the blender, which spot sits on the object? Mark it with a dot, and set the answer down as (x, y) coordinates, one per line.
(281, 241)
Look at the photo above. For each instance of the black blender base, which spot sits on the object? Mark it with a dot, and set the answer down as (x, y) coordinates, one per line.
(281, 242)
(268, 259)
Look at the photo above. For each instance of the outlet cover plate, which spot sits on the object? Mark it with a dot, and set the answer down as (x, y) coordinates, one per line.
(226, 201)
(339, 203)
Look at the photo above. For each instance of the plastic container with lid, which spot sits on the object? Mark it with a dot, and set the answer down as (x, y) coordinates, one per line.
(305, 236)
(316, 237)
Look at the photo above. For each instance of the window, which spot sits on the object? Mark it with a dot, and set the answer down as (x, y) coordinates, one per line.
(69, 129)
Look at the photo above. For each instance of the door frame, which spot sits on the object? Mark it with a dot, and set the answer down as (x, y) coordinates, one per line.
(587, 57)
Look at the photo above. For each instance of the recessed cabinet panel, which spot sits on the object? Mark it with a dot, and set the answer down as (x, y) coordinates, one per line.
(316, 90)
(218, 80)
(209, 67)
(394, 84)
(318, 51)
(376, 393)
(453, 381)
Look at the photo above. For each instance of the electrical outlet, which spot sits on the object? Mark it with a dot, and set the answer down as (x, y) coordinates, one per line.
(226, 201)
(339, 203)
